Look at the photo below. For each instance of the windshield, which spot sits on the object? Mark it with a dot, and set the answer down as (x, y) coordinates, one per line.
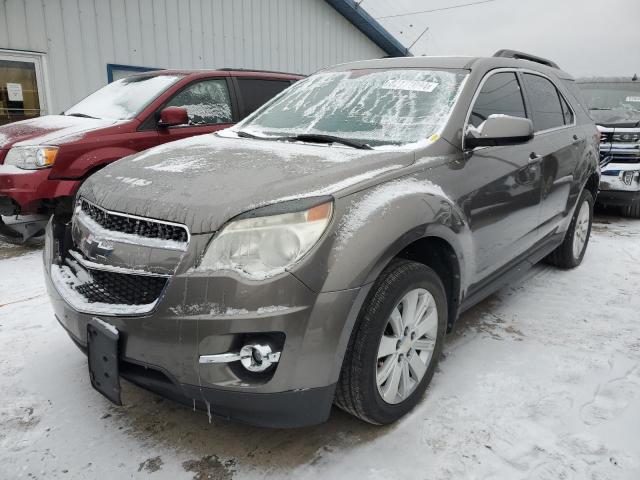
(612, 96)
(370, 106)
(123, 99)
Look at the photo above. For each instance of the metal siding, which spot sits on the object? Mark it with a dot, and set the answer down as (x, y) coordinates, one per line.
(80, 37)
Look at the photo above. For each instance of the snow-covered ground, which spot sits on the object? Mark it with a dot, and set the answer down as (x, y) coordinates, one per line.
(541, 381)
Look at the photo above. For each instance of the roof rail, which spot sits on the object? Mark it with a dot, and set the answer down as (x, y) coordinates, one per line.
(231, 69)
(525, 56)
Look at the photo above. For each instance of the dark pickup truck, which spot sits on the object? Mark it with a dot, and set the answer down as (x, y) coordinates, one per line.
(614, 103)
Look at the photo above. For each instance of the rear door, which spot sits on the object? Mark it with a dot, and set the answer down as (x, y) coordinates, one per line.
(503, 207)
(209, 109)
(255, 92)
(557, 146)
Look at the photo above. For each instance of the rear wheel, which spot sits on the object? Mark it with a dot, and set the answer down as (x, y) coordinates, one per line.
(632, 211)
(571, 252)
(395, 345)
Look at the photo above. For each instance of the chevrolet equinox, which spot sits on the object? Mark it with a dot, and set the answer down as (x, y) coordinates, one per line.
(318, 251)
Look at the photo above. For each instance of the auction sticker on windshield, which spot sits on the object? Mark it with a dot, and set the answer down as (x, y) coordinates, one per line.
(633, 99)
(413, 85)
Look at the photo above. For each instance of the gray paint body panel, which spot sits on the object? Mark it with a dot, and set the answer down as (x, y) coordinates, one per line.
(493, 207)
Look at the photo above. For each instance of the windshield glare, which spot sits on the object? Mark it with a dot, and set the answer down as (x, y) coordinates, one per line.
(612, 96)
(370, 106)
(125, 98)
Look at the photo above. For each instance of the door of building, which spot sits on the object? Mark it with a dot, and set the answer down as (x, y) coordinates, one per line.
(22, 88)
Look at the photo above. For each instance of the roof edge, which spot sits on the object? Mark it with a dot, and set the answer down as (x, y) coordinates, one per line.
(370, 27)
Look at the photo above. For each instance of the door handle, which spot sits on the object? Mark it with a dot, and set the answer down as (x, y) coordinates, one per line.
(534, 158)
(575, 137)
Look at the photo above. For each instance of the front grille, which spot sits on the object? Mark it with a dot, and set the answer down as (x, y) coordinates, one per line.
(605, 137)
(134, 226)
(626, 137)
(121, 289)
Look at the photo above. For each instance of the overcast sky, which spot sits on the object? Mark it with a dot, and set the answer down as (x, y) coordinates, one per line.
(585, 37)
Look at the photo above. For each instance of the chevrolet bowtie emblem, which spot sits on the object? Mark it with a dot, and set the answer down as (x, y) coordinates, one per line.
(97, 247)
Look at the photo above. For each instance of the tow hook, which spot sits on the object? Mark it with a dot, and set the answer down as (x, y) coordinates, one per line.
(253, 357)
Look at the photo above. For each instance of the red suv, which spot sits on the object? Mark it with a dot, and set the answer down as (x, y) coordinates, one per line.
(43, 161)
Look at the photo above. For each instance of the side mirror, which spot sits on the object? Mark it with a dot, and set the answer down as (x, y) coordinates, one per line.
(172, 116)
(498, 130)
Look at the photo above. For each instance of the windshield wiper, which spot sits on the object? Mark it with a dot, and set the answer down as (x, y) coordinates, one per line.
(81, 115)
(600, 109)
(242, 133)
(318, 137)
(309, 137)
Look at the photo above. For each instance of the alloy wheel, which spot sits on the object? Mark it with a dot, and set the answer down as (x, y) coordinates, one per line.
(406, 346)
(581, 231)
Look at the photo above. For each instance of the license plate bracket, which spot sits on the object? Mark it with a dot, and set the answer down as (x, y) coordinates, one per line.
(102, 353)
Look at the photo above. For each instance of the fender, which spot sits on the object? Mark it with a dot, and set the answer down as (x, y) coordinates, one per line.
(81, 166)
(372, 227)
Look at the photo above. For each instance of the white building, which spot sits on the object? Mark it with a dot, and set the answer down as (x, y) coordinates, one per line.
(55, 52)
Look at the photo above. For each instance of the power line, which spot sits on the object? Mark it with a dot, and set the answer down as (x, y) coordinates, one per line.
(435, 9)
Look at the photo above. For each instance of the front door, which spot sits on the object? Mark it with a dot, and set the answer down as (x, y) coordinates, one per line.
(22, 92)
(503, 209)
(209, 109)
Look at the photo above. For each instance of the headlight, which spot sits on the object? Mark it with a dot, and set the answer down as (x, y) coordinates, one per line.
(264, 246)
(31, 158)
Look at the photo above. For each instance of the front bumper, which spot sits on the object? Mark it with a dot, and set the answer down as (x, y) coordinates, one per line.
(23, 191)
(614, 190)
(203, 314)
(616, 198)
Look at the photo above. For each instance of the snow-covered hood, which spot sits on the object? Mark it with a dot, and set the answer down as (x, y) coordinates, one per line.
(616, 118)
(48, 130)
(204, 181)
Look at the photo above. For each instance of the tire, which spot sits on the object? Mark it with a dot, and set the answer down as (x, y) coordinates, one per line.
(632, 211)
(358, 392)
(566, 256)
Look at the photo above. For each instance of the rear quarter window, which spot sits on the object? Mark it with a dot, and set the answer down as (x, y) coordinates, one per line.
(255, 92)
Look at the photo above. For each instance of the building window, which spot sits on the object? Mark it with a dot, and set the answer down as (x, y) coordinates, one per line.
(116, 72)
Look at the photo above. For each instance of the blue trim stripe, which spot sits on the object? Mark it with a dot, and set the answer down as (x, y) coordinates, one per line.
(370, 27)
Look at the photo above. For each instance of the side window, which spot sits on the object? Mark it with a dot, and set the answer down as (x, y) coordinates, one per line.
(500, 94)
(207, 102)
(546, 111)
(566, 111)
(256, 92)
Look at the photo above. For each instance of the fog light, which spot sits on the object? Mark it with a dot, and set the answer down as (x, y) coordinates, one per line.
(627, 177)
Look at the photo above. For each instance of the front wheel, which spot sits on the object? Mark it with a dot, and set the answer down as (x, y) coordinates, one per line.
(571, 252)
(395, 345)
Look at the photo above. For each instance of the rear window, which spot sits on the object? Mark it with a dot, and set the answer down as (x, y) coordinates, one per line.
(256, 92)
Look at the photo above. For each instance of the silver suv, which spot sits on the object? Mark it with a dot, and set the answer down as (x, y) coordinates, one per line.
(318, 252)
